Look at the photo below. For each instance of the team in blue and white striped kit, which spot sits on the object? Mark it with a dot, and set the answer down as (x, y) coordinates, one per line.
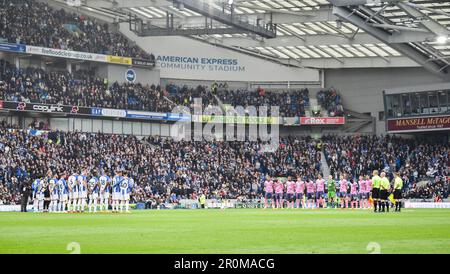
(72, 194)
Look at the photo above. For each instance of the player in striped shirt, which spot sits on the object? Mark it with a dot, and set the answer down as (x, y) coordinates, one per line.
(36, 187)
(343, 188)
(105, 190)
(93, 189)
(54, 194)
(299, 192)
(290, 192)
(354, 196)
(320, 191)
(279, 190)
(63, 193)
(310, 193)
(268, 192)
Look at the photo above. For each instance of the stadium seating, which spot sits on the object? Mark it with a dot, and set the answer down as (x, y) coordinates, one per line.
(167, 170)
(292, 103)
(35, 23)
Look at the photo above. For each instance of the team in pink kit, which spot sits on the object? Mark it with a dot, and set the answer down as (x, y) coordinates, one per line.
(307, 193)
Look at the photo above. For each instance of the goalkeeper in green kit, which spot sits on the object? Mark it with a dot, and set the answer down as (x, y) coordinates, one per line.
(331, 187)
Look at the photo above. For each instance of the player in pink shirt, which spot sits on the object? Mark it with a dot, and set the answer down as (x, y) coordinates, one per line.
(279, 189)
(320, 191)
(343, 187)
(310, 190)
(369, 187)
(268, 189)
(354, 194)
(299, 192)
(290, 192)
(363, 203)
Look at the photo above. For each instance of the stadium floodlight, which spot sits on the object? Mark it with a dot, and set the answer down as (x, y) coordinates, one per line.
(442, 39)
(230, 2)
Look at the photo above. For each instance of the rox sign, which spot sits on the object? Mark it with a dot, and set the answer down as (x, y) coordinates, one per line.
(322, 120)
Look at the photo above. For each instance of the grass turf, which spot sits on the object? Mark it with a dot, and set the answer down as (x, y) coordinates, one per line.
(228, 231)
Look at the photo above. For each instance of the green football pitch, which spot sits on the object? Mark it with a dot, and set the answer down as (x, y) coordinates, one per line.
(228, 231)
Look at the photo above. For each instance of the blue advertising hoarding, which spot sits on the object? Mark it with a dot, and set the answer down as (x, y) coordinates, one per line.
(12, 47)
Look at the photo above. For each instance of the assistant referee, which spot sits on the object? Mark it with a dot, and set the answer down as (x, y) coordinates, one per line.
(398, 185)
(384, 189)
(376, 181)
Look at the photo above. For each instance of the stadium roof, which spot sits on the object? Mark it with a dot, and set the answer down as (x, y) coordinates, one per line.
(317, 33)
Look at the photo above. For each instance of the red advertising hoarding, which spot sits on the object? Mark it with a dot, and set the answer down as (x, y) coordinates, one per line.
(317, 121)
(419, 124)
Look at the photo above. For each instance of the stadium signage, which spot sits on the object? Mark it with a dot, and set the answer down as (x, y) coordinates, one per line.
(142, 63)
(130, 76)
(67, 54)
(233, 119)
(22, 106)
(199, 63)
(317, 121)
(418, 124)
(119, 60)
(12, 47)
(426, 205)
(51, 108)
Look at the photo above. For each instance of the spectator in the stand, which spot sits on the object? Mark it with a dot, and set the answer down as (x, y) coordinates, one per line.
(34, 23)
(331, 101)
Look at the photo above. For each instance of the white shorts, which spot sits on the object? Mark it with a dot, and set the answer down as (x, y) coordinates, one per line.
(105, 195)
(73, 195)
(54, 197)
(125, 197)
(63, 197)
(93, 196)
(40, 196)
(116, 196)
(83, 195)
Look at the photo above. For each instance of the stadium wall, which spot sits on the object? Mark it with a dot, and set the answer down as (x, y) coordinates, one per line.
(185, 58)
(117, 73)
(362, 89)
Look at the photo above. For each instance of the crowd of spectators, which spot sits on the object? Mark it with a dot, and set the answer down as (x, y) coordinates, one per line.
(415, 159)
(165, 170)
(330, 100)
(34, 23)
(291, 103)
(81, 88)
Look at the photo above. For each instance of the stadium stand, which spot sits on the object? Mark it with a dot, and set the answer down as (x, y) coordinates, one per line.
(292, 103)
(35, 23)
(166, 171)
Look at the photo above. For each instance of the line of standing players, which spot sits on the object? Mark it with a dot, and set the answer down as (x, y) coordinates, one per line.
(307, 193)
(70, 193)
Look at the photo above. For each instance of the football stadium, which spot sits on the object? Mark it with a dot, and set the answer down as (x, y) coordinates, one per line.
(243, 127)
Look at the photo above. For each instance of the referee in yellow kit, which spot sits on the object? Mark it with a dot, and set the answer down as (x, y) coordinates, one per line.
(398, 185)
(384, 191)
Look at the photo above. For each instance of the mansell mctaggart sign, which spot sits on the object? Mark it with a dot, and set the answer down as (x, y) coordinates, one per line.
(419, 124)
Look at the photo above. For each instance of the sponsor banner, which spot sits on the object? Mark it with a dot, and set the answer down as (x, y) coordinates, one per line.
(146, 115)
(418, 123)
(143, 63)
(67, 54)
(109, 112)
(318, 121)
(22, 106)
(233, 119)
(13, 208)
(178, 117)
(426, 205)
(119, 60)
(12, 47)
